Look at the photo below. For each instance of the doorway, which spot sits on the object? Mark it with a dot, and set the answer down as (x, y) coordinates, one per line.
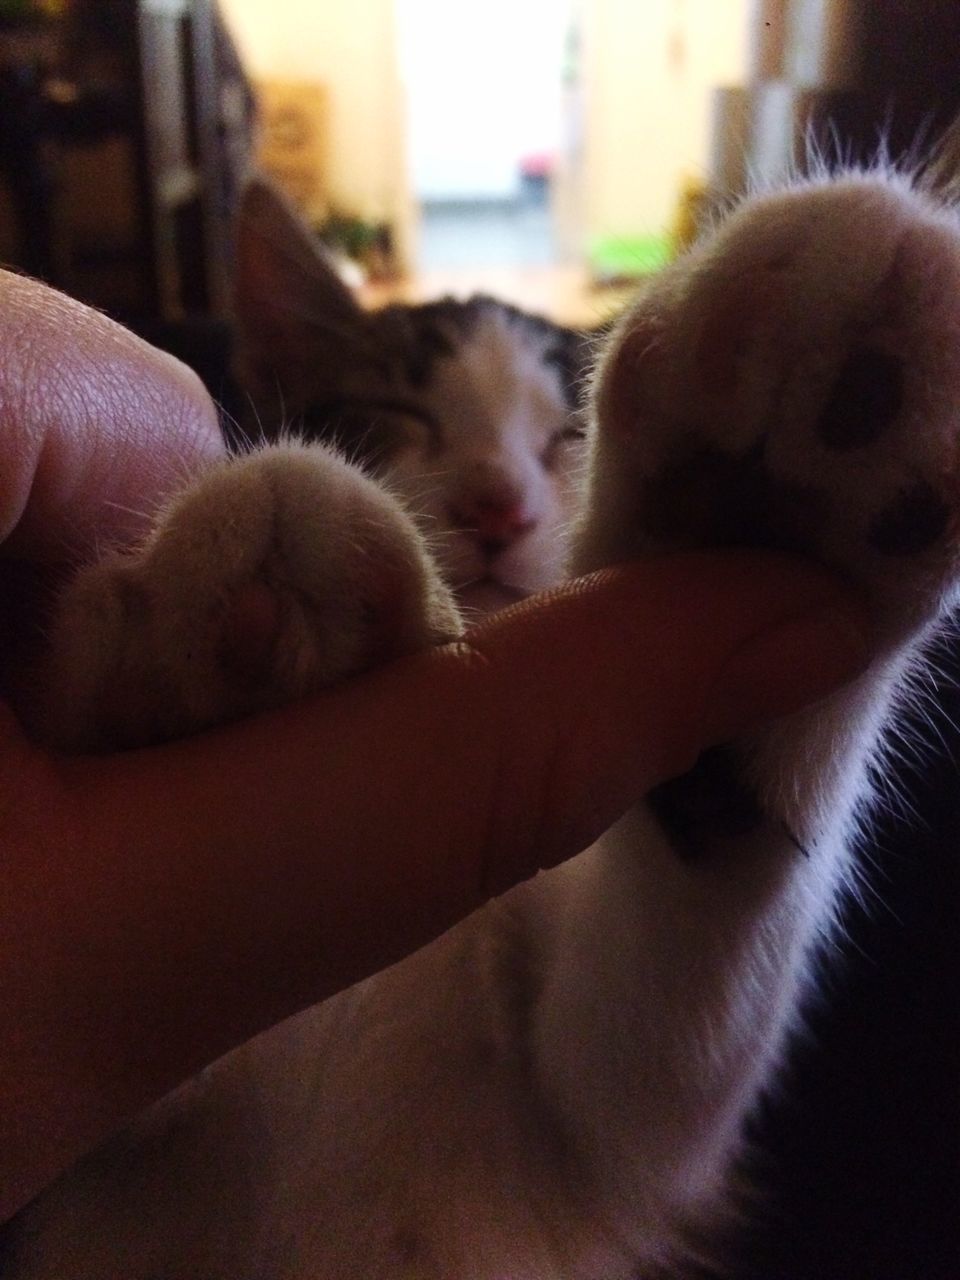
(485, 93)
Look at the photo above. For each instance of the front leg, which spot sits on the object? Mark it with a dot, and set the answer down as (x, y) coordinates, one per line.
(793, 385)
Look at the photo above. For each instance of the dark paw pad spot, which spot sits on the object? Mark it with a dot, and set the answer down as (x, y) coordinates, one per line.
(709, 802)
(715, 499)
(916, 518)
(865, 400)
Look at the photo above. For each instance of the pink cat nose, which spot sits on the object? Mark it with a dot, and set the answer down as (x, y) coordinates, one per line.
(496, 524)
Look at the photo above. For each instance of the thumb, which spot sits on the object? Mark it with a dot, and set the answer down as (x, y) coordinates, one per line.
(319, 843)
(592, 696)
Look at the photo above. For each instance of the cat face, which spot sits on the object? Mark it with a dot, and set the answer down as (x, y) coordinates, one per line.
(492, 469)
(467, 410)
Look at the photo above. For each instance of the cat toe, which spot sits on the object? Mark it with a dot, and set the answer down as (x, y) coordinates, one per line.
(794, 384)
(269, 578)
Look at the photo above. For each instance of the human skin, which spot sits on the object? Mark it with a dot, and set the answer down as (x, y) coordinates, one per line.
(160, 906)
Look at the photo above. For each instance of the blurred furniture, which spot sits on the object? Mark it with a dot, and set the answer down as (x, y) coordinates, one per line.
(294, 142)
(853, 76)
(122, 129)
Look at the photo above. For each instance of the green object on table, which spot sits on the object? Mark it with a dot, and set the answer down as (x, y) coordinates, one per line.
(625, 257)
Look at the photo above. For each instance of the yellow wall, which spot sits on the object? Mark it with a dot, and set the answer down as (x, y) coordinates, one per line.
(648, 69)
(350, 47)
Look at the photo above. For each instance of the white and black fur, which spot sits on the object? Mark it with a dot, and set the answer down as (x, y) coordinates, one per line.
(557, 1089)
(469, 409)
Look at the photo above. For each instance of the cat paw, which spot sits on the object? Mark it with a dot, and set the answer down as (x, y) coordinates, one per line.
(794, 383)
(270, 577)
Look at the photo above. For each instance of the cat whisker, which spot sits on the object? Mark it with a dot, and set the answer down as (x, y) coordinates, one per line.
(139, 512)
(242, 439)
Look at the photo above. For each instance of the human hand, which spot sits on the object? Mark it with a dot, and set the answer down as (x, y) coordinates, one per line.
(161, 906)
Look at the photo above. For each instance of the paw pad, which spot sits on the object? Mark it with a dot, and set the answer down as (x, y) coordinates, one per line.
(912, 523)
(250, 629)
(866, 399)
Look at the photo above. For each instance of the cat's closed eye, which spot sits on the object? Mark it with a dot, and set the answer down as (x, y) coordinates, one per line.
(559, 444)
(373, 429)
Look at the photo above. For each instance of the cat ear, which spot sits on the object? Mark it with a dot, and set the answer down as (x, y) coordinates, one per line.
(296, 321)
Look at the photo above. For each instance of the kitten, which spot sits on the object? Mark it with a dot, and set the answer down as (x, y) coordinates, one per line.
(557, 1088)
(469, 410)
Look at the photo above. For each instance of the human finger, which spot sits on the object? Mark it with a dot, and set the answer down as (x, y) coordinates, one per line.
(98, 426)
(396, 804)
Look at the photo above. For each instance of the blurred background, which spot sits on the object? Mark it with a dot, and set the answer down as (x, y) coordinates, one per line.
(545, 150)
(551, 152)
